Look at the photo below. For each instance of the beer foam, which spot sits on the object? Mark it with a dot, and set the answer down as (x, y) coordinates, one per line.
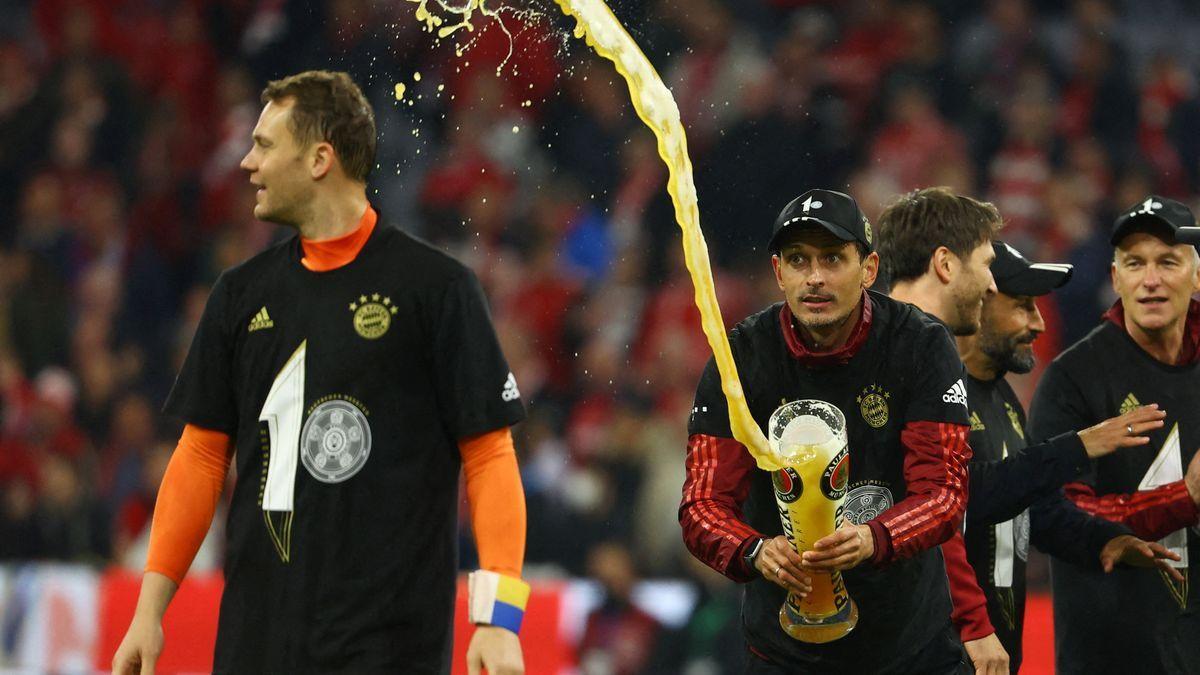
(802, 436)
(806, 430)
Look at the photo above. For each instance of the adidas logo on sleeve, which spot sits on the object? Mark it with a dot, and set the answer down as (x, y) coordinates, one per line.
(957, 393)
(510, 392)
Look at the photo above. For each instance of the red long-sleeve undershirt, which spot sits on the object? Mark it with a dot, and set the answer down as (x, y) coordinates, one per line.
(1151, 514)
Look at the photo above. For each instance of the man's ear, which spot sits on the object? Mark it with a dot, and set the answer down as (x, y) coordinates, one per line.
(323, 159)
(944, 264)
(870, 269)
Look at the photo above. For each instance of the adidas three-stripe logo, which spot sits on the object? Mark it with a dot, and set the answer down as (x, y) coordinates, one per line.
(261, 320)
(957, 393)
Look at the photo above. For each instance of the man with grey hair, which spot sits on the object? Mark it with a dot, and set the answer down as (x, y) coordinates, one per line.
(1010, 472)
(1147, 348)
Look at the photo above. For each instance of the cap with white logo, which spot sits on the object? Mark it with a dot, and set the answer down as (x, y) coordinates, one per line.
(1155, 210)
(837, 212)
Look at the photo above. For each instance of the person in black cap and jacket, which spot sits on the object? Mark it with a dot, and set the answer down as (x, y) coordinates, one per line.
(893, 372)
(1008, 475)
(1146, 348)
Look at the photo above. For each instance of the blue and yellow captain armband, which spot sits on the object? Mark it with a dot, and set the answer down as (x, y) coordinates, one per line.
(496, 600)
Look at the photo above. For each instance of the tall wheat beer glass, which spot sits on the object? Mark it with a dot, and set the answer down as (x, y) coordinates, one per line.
(809, 439)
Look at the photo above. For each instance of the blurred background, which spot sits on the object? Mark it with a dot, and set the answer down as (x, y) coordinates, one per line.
(122, 123)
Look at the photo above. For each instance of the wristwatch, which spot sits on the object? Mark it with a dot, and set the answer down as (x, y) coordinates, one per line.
(751, 554)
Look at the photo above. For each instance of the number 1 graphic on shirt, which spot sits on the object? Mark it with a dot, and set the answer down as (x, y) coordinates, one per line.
(1167, 467)
(283, 411)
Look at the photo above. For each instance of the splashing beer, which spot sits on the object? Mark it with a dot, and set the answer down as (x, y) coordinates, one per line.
(808, 438)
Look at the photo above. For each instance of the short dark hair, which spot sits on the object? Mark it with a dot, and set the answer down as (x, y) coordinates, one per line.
(330, 107)
(915, 225)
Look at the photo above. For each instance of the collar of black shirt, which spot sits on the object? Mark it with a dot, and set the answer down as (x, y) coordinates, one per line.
(839, 356)
(1190, 353)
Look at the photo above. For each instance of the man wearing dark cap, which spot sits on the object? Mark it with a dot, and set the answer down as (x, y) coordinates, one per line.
(1146, 348)
(892, 371)
(1007, 475)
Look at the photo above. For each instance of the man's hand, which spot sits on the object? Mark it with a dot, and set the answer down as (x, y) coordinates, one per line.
(1130, 550)
(988, 655)
(778, 562)
(140, 649)
(1114, 433)
(1192, 478)
(143, 643)
(496, 650)
(848, 546)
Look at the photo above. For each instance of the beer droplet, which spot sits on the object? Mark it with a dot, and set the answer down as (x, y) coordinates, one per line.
(400, 91)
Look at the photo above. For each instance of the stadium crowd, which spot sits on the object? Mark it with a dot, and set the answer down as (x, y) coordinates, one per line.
(122, 125)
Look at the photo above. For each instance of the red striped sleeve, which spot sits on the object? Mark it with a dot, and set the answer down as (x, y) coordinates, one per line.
(935, 470)
(719, 473)
(969, 614)
(1151, 514)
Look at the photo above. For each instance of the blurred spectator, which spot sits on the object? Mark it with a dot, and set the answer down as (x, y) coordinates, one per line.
(70, 524)
(620, 638)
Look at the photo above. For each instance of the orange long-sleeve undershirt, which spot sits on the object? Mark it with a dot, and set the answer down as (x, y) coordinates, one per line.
(496, 499)
(187, 500)
(191, 488)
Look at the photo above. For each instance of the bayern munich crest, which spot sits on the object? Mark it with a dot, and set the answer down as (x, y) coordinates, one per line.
(335, 441)
(866, 502)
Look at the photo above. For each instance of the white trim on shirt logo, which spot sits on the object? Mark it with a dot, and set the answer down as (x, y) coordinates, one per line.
(957, 393)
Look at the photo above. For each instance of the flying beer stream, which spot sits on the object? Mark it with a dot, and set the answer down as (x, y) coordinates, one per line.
(597, 25)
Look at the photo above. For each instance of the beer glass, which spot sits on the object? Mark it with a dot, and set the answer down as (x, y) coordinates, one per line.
(808, 438)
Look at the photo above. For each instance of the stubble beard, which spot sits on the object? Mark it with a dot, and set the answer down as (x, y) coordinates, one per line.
(1006, 353)
(968, 311)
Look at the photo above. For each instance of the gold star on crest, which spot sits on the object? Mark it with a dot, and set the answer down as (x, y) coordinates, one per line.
(353, 306)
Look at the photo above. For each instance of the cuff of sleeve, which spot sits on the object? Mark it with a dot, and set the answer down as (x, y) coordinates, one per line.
(496, 600)
(1104, 532)
(883, 543)
(971, 629)
(738, 569)
(170, 574)
(1183, 506)
(1072, 457)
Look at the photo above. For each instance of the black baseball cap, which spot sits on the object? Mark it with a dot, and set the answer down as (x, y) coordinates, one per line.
(834, 211)
(1151, 210)
(1015, 275)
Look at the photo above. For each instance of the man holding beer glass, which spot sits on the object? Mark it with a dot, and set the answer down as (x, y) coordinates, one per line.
(891, 378)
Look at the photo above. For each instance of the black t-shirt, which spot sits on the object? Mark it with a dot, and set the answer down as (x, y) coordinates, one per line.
(901, 374)
(1133, 620)
(345, 392)
(998, 552)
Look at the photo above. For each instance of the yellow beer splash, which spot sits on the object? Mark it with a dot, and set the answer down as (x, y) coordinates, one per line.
(656, 107)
